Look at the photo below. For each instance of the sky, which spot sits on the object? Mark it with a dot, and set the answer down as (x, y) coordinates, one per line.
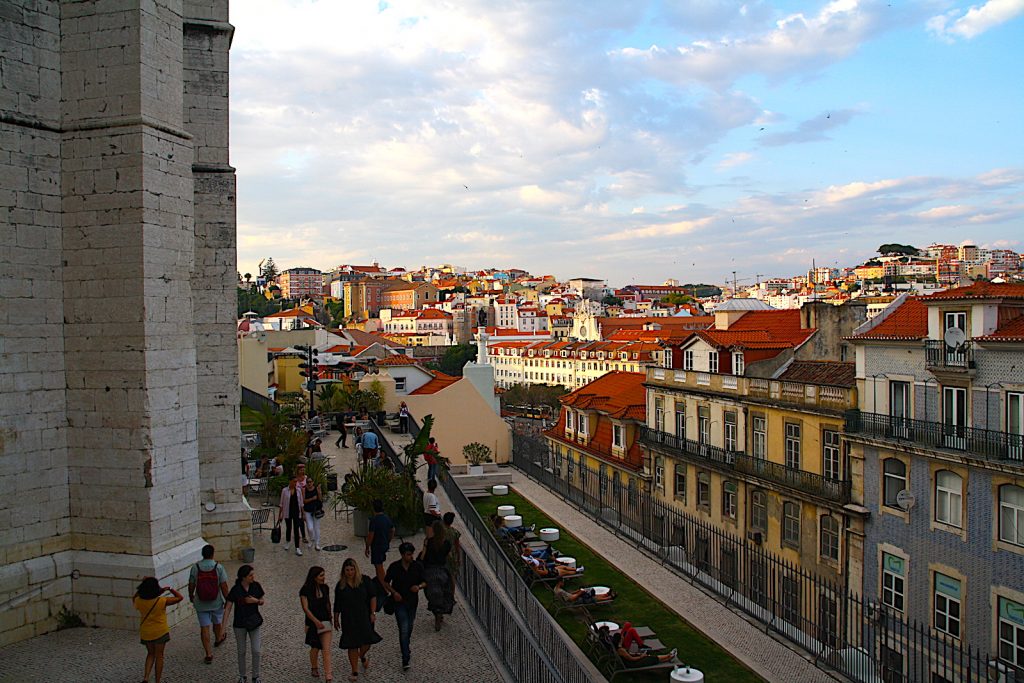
(628, 141)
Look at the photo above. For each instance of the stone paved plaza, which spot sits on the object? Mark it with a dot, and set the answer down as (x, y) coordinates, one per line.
(89, 655)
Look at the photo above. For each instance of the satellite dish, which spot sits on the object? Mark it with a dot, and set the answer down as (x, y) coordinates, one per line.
(905, 499)
(954, 337)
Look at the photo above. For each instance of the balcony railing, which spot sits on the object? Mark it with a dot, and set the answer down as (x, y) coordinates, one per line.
(806, 482)
(982, 443)
(939, 355)
(824, 396)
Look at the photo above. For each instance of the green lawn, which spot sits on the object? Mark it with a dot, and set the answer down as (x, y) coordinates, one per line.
(249, 419)
(633, 604)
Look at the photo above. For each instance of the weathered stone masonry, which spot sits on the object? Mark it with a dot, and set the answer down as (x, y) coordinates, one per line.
(118, 371)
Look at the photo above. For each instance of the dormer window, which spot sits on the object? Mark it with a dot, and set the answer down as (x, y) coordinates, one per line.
(568, 420)
(624, 356)
(582, 422)
(688, 359)
(737, 363)
(713, 361)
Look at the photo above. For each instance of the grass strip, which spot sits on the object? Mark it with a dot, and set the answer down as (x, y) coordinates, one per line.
(633, 604)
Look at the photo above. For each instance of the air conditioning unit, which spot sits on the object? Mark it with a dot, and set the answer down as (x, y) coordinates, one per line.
(755, 537)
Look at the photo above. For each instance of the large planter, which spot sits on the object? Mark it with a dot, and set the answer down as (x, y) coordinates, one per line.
(360, 523)
(476, 470)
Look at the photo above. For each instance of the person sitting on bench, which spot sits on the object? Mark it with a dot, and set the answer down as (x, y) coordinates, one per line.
(548, 570)
(642, 659)
(583, 596)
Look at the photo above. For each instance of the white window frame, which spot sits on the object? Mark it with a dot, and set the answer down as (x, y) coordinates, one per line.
(947, 614)
(713, 361)
(788, 537)
(581, 424)
(688, 359)
(659, 473)
(759, 510)
(887, 476)
(731, 430)
(399, 383)
(759, 440)
(1010, 635)
(794, 433)
(1011, 516)
(729, 493)
(618, 436)
(738, 364)
(831, 456)
(829, 537)
(704, 484)
(894, 586)
(568, 421)
(679, 478)
(949, 499)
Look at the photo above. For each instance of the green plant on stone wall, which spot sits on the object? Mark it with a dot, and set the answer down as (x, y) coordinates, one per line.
(68, 619)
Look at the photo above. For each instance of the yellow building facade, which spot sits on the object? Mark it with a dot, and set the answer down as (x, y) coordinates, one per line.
(763, 460)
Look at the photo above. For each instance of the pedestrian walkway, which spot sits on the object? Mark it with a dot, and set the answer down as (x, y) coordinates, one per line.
(456, 654)
(747, 642)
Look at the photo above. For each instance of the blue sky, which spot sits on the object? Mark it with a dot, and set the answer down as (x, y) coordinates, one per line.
(633, 141)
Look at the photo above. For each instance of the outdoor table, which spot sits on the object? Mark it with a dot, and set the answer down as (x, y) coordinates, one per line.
(569, 562)
(499, 490)
(251, 482)
(686, 674)
(600, 590)
(612, 626)
(513, 521)
(549, 535)
(506, 510)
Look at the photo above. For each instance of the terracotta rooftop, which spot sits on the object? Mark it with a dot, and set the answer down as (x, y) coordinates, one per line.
(1012, 331)
(397, 360)
(981, 290)
(821, 372)
(909, 322)
(439, 382)
(620, 395)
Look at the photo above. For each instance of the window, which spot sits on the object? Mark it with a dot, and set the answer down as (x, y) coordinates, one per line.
(680, 483)
(704, 424)
(659, 473)
(954, 417)
(830, 454)
(829, 532)
(688, 360)
(893, 581)
(948, 498)
(1015, 424)
(659, 414)
(713, 361)
(704, 490)
(618, 439)
(1011, 514)
(569, 467)
(1011, 632)
(791, 600)
(894, 473)
(581, 422)
(793, 445)
(602, 478)
(737, 363)
(947, 605)
(791, 524)
(730, 430)
(892, 665)
(759, 443)
(729, 499)
(759, 511)
(568, 420)
(681, 421)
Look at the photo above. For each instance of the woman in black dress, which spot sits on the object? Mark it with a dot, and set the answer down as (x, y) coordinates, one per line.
(315, 597)
(355, 613)
(440, 590)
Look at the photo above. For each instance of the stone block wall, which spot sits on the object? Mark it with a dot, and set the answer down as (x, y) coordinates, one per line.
(118, 387)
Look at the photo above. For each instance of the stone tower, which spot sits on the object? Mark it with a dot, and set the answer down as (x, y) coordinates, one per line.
(118, 369)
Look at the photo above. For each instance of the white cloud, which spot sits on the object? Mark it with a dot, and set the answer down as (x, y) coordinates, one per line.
(733, 159)
(976, 20)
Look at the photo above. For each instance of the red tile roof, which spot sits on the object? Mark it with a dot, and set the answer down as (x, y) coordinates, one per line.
(397, 360)
(909, 322)
(620, 395)
(338, 348)
(760, 330)
(1012, 331)
(440, 381)
(821, 372)
(981, 290)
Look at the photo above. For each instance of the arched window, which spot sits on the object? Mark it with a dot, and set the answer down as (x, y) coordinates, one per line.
(895, 480)
(1011, 514)
(949, 498)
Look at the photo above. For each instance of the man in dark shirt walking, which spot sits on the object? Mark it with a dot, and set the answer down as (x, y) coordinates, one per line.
(378, 541)
(403, 581)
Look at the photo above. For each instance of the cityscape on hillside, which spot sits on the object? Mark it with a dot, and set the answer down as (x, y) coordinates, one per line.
(218, 468)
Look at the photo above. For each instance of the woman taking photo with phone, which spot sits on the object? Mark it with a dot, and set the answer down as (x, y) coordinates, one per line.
(154, 632)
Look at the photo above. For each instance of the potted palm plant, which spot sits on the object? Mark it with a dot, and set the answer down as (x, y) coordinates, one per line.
(476, 455)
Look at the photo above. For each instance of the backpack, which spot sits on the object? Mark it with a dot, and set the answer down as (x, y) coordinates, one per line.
(206, 584)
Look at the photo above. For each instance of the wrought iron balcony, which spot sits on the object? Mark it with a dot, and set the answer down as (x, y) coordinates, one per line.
(940, 356)
(980, 443)
(776, 473)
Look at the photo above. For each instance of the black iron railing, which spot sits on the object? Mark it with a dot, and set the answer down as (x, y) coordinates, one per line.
(938, 354)
(258, 401)
(777, 473)
(981, 443)
(841, 630)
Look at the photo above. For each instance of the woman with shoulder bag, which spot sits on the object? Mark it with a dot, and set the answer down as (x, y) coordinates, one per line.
(246, 596)
(313, 510)
(154, 632)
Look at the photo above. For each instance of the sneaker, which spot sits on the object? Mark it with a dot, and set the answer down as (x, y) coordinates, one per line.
(298, 551)
(579, 570)
(406, 666)
(673, 653)
(286, 547)
(317, 548)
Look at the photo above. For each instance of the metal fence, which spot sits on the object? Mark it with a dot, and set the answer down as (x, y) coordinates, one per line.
(257, 401)
(862, 640)
(980, 443)
(533, 646)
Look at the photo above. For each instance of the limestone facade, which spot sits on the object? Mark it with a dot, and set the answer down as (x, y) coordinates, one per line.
(118, 368)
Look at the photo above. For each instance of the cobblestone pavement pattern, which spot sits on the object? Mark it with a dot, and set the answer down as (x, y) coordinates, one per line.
(772, 660)
(89, 655)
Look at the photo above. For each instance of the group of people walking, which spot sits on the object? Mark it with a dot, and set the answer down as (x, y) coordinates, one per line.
(301, 509)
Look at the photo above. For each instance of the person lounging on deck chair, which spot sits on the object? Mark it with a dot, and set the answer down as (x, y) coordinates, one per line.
(582, 596)
(548, 570)
(640, 659)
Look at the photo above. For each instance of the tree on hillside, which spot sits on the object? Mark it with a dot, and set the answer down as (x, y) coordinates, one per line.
(895, 249)
(251, 300)
(676, 299)
(269, 270)
(703, 290)
(454, 358)
(336, 313)
(611, 300)
(534, 395)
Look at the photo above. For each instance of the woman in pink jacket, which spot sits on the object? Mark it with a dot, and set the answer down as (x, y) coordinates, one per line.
(291, 513)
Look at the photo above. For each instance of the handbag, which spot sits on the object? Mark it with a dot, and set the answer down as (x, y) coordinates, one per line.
(389, 605)
(253, 621)
(319, 511)
(275, 533)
